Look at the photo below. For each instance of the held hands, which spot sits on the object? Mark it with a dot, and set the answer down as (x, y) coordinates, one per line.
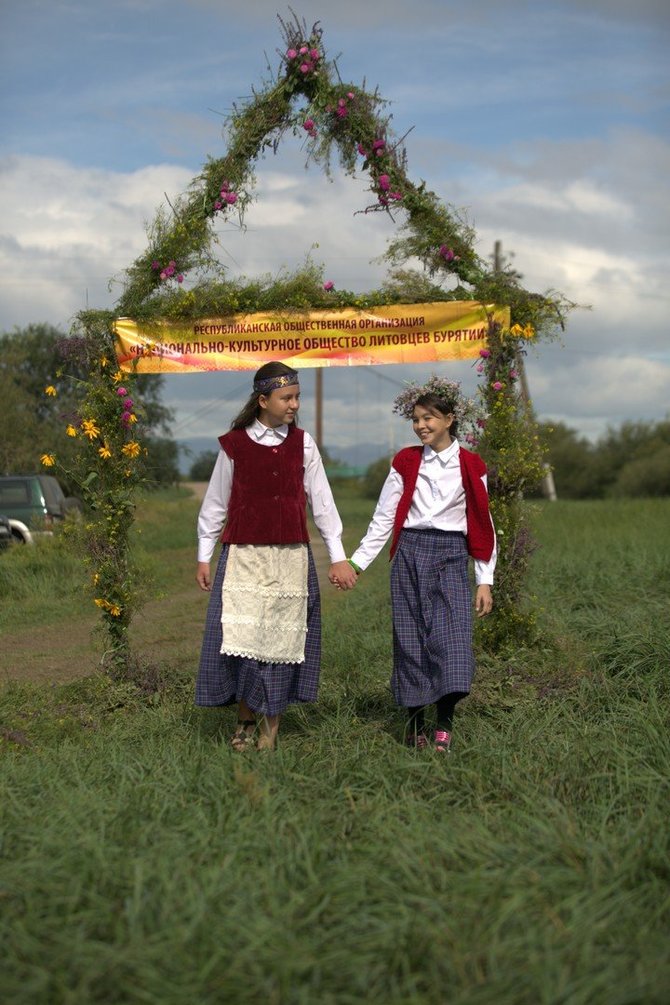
(342, 575)
(483, 601)
(202, 576)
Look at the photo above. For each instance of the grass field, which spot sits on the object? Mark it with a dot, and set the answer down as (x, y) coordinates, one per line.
(143, 862)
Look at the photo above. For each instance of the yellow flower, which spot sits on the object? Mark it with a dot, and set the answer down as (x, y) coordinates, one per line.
(104, 362)
(70, 430)
(89, 428)
(132, 418)
(131, 449)
(104, 451)
(529, 332)
(51, 391)
(116, 377)
(48, 460)
(96, 578)
(106, 605)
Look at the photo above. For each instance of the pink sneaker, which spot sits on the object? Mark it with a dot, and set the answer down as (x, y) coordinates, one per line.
(418, 741)
(442, 741)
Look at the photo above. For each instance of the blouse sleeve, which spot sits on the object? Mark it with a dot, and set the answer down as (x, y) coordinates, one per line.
(214, 507)
(382, 521)
(484, 570)
(321, 502)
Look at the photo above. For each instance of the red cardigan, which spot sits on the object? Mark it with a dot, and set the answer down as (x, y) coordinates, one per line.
(480, 536)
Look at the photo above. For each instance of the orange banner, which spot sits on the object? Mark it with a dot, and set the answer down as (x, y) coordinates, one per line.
(400, 333)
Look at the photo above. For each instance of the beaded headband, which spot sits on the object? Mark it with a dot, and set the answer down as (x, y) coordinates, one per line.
(267, 384)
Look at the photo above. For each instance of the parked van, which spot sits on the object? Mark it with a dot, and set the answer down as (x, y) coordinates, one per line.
(34, 504)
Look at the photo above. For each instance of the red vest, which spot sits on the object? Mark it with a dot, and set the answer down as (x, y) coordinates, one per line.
(267, 500)
(480, 536)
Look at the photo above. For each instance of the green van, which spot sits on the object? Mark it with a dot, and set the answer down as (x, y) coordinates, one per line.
(34, 504)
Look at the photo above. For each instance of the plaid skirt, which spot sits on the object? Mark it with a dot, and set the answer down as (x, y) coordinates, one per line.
(432, 617)
(267, 688)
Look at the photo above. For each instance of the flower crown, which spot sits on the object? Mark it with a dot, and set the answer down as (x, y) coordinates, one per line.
(464, 409)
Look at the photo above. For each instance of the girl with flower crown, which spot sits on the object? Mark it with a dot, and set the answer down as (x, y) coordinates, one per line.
(435, 504)
(262, 643)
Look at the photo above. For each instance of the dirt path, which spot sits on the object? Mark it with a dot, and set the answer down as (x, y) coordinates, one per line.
(167, 629)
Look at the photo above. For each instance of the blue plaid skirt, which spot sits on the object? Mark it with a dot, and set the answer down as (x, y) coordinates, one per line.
(432, 617)
(267, 688)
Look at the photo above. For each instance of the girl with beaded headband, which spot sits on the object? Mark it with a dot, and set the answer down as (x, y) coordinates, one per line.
(435, 504)
(262, 642)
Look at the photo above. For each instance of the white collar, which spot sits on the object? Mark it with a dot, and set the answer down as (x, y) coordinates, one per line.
(259, 431)
(443, 456)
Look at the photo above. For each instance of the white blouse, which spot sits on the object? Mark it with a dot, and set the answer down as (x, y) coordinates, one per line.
(214, 507)
(438, 503)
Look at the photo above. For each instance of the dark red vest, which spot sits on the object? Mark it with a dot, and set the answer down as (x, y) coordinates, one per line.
(480, 536)
(267, 501)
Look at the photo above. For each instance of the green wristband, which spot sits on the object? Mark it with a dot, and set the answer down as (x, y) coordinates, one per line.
(354, 567)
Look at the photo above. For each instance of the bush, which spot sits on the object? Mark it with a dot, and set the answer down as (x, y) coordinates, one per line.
(203, 465)
(375, 476)
(645, 476)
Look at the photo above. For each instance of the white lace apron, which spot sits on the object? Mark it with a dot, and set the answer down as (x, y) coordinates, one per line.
(264, 602)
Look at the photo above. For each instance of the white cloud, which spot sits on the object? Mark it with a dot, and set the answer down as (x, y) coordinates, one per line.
(88, 225)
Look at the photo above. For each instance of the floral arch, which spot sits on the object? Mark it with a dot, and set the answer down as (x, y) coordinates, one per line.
(306, 96)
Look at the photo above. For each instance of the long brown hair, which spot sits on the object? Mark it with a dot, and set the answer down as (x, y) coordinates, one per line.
(251, 410)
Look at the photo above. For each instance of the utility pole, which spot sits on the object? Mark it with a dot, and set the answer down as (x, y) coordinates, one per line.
(548, 486)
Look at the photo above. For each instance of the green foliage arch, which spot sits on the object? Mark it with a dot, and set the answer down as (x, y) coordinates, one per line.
(306, 96)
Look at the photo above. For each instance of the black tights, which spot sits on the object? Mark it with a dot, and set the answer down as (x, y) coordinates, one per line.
(445, 713)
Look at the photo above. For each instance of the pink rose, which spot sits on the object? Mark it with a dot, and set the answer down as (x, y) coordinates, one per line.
(315, 54)
(308, 124)
(395, 195)
(485, 353)
(341, 113)
(218, 204)
(351, 95)
(378, 144)
(303, 50)
(362, 151)
(341, 102)
(291, 53)
(329, 285)
(127, 404)
(497, 386)
(231, 197)
(513, 374)
(180, 278)
(305, 67)
(121, 391)
(384, 182)
(155, 265)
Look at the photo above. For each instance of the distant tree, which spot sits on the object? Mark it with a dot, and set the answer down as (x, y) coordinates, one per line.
(162, 465)
(203, 465)
(375, 476)
(571, 458)
(32, 359)
(646, 476)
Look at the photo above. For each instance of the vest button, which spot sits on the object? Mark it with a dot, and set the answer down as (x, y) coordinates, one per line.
(275, 473)
(274, 450)
(276, 498)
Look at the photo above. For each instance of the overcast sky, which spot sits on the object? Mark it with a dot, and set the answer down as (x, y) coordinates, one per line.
(545, 121)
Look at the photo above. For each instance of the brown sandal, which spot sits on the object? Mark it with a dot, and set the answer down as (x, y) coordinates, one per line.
(243, 738)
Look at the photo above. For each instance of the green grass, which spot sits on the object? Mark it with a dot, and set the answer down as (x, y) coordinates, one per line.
(143, 862)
